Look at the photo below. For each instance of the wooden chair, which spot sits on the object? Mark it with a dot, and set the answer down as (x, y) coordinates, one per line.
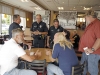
(38, 66)
(78, 70)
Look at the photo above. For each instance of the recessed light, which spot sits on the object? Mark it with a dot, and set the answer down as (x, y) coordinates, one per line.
(25, 0)
(37, 8)
(74, 7)
(62, 2)
(81, 6)
(60, 8)
(91, 7)
(99, 6)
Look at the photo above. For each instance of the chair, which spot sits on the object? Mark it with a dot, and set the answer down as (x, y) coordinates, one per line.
(38, 66)
(78, 70)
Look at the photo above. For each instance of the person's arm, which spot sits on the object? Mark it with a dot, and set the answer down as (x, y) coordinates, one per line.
(48, 37)
(49, 53)
(31, 58)
(55, 54)
(45, 30)
(28, 58)
(96, 44)
(43, 33)
(52, 59)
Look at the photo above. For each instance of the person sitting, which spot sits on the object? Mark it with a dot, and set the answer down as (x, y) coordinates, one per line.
(11, 51)
(76, 39)
(65, 54)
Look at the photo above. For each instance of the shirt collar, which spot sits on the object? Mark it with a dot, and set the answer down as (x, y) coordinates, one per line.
(13, 40)
(15, 23)
(91, 24)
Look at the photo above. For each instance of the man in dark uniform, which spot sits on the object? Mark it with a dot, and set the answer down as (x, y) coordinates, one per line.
(39, 30)
(15, 24)
(52, 31)
(76, 39)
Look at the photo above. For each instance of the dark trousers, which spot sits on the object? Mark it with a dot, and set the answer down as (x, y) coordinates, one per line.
(51, 44)
(38, 43)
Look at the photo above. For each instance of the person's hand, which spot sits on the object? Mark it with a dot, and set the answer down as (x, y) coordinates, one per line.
(29, 45)
(48, 52)
(38, 53)
(88, 51)
(36, 32)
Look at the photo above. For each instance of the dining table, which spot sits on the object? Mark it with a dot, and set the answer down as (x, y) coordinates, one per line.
(43, 53)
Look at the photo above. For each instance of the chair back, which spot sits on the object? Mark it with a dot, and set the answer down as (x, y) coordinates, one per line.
(38, 66)
(78, 70)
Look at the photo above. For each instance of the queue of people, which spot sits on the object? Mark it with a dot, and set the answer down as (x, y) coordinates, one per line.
(58, 39)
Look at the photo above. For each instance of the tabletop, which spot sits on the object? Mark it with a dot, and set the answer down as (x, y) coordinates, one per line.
(43, 53)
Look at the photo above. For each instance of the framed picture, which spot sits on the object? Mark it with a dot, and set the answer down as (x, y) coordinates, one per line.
(67, 19)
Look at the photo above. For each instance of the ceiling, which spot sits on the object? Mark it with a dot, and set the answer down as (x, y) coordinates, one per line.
(70, 4)
(29, 6)
(76, 5)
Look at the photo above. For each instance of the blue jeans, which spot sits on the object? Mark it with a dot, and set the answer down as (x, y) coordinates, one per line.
(53, 69)
(16, 71)
(91, 65)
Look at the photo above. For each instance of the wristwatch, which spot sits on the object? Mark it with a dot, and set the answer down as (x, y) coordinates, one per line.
(93, 49)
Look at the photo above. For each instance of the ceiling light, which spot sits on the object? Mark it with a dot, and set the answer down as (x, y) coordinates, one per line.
(25, 0)
(60, 8)
(99, 6)
(74, 7)
(37, 8)
(63, 2)
(86, 8)
(81, 6)
(91, 7)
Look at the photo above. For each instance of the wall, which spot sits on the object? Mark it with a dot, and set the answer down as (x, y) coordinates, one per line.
(29, 15)
(52, 17)
(29, 19)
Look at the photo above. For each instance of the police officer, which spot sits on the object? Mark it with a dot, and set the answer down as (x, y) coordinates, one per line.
(52, 31)
(39, 30)
(15, 24)
(76, 38)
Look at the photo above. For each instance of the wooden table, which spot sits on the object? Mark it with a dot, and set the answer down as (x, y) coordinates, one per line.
(43, 53)
(28, 38)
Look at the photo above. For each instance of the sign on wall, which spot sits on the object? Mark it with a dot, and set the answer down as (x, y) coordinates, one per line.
(67, 19)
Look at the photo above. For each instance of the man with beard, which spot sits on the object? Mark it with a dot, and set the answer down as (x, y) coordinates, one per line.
(90, 44)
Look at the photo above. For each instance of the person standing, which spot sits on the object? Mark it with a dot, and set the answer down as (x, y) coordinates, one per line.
(39, 30)
(11, 51)
(76, 38)
(15, 25)
(90, 41)
(52, 31)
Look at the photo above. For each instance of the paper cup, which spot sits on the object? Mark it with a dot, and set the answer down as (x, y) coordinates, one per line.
(31, 53)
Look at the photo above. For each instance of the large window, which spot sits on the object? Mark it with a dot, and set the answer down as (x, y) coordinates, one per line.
(23, 23)
(5, 21)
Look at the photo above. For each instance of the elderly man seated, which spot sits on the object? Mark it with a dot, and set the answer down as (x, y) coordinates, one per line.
(11, 51)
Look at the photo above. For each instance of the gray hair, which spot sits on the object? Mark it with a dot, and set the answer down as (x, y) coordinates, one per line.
(91, 13)
(16, 32)
(15, 17)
